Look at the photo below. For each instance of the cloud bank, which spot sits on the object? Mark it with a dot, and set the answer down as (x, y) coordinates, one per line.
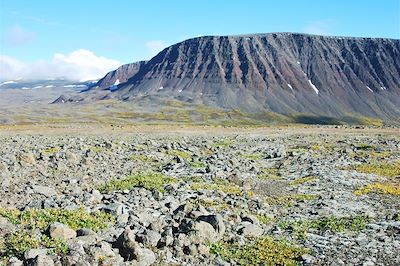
(78, 65)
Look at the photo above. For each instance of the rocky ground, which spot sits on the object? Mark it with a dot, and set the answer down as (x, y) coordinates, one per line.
(215, 197)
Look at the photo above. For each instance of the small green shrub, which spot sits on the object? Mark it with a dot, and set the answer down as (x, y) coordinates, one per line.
(390, 188)
(43, 218)
(217, 205)
(269, 174)
(381, 169)
(179, 153)
(331, 223)
(265, 219)
(263, 251)
(52, 150)
(96, 149)
(372, 155)
(19, 242)
(221, 185)
(316, 147)
(197, 164)
(57, 245)
(364, 146)
(289, 200)
(254, 157)
(224, 143)
(150, 181)
(302, 180)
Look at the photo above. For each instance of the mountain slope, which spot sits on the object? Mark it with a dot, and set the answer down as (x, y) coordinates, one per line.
(120, 75)
(284, 73)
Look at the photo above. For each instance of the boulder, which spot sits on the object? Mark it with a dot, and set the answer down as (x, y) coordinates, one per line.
(250, 230)
(42, 260)
(203, 232)
(62, 231)
(27, 159)
(33, 253)
(131, 250)
(216, 221)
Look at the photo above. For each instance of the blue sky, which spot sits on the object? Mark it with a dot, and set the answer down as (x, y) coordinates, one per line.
(124, 31)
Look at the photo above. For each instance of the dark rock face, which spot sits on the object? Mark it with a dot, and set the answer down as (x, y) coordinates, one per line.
(120, 75)
(280, 72)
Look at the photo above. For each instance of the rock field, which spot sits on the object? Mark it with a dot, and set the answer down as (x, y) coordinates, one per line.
(311, 197)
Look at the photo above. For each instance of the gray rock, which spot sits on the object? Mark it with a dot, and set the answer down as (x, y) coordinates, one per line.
(146, 218)
(150, 238)
(203, 232)
(32, 253)
(115, 209)
(43, 260)
(27, 159)
(13, 261)
(145, 258)
(203, 250)
(44, 190)
(106, 249)
(216, 221)
(307, 258)
(62, 231)
(5, 226)
(131, 250)
(71, 157)
(85, 232)
(250, 230)
(250, 218)
(96, 196)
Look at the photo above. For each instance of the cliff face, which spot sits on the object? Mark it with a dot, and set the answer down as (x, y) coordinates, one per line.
(120, 75)
(280, 72)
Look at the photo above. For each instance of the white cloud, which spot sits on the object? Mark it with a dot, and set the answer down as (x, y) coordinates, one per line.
(79, 65)
(155, 47)
(319, 27)
(16, 35)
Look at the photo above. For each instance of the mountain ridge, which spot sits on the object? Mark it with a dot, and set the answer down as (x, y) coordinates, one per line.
(283, 73)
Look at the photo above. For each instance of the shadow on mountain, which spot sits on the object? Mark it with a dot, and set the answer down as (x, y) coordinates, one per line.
(322, 120)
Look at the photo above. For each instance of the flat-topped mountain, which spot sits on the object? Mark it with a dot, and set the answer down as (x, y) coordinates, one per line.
(285, 73)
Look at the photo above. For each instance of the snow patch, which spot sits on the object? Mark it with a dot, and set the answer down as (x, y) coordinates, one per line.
(298, 62)
(180, 91)
(25, 88)
(49, 86)
(37, 87)
(369, 89)
(161, 88)
(116, 83)
(313, 86)
(74, 86)
(290, 86)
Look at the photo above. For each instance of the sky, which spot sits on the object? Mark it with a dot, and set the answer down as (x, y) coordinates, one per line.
(84, 39)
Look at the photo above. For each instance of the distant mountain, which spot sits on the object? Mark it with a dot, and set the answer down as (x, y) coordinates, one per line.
(19, 92)
(285, 73)
(120, 75)
(40, 84)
